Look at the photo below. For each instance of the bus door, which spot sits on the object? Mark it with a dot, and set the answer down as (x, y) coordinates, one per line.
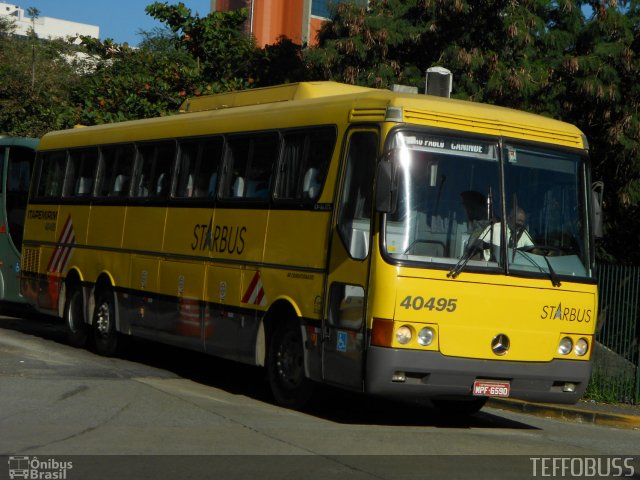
(345, 304)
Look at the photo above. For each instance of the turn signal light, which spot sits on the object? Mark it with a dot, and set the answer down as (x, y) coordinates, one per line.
(382, 332)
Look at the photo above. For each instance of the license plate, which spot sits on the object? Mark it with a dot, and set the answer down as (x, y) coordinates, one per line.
(490, 388)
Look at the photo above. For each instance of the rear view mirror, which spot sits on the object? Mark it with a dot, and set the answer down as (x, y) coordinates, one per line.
(597, 219)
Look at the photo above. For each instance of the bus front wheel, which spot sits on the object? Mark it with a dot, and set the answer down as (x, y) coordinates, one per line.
(104, 324)
(285, 367)
(76, 328)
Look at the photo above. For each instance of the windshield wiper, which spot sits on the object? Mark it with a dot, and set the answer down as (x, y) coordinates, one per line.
(474, 247)
(555, 281)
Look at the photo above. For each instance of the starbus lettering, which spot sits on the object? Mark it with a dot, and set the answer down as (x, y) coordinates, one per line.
(567, 314)
(218, 238)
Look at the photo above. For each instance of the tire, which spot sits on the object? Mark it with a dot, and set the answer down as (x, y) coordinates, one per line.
(285, 367)
(104, 324)
(77, 330)
(460, 407)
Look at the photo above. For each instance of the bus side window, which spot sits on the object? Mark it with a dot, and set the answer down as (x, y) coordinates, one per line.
(81, 172)
(19, 176)
(116, 169)
(52, 173)
(153, 173)
(306, 156)
(354, 218)
(249, 165)
(198, 163)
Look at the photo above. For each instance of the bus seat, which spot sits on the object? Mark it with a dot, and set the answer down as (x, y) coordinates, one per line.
(238, 187)
(189, 190)
(142, 190)
(121, 185)
(359, 247)
(162, 187)
(213, 180)
(84, 186)
(311, 183)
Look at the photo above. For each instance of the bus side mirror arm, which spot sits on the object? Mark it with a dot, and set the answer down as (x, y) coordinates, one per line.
(385, 188)
(597, 218)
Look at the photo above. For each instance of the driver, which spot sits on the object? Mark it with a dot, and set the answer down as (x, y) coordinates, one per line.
(519, 237)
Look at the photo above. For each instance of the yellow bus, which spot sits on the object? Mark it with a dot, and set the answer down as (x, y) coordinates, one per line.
(330, 233)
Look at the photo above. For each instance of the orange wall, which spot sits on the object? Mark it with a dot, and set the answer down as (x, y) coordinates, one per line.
(275, 18)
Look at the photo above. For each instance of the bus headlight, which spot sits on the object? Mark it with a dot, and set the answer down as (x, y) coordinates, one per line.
(403, 335)
(582, 347)
(565, 346)
(425, 336)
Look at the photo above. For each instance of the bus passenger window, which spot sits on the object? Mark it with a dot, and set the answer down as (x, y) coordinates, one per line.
(250, 159)
(82, 168)
(198, 163)
(305, 158)
(52, 174)
(18, 179)
(115, 171)
(153, 178)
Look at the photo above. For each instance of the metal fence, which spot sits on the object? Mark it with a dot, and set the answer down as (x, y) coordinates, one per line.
(616, 360)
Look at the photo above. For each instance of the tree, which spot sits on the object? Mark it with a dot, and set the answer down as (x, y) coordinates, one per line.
(602, 96)
(217, 42)
(127, 83)
(34, 89)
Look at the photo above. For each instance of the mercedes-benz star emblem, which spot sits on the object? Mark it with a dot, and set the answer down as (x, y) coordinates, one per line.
(500, 344)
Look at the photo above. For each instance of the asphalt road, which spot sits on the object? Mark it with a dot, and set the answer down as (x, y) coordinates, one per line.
(160, 412)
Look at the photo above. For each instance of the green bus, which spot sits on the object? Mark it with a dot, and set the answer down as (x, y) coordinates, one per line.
(17, 156)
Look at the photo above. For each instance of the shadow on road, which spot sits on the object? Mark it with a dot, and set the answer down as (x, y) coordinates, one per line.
(328, 403)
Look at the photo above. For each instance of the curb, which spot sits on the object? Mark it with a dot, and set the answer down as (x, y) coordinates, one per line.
(568, 413)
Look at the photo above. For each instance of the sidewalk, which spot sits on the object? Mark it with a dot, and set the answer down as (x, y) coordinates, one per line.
(610, 415)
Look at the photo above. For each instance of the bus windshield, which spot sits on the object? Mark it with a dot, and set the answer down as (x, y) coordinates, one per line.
(450, 205)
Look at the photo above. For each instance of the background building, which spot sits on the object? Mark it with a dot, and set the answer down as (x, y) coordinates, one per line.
(298, 20)
(46, 27)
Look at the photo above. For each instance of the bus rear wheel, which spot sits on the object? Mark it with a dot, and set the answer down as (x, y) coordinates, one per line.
(285, 367)
(104, 324)
(75, 326)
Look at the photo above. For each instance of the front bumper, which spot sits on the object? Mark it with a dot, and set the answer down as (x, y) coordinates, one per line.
(431, 374)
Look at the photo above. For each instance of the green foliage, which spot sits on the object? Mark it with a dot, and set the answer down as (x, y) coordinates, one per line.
(217, 41)
(35, 81)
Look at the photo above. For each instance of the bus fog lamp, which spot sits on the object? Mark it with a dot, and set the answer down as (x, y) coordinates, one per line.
(399, 377)
(425, 336)
(569, 387)
(565, 346)
(403, 335)
(582, 347)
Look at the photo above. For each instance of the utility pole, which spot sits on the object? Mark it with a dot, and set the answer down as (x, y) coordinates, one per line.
(34, 13)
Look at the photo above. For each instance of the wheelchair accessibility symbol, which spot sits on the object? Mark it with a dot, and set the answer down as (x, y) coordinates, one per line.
(341, 344)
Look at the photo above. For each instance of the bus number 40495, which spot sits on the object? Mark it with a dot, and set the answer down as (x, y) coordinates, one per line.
(433, 303)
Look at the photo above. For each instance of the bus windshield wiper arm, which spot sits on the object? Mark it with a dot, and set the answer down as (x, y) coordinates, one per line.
(473, 248)
(555, 281)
